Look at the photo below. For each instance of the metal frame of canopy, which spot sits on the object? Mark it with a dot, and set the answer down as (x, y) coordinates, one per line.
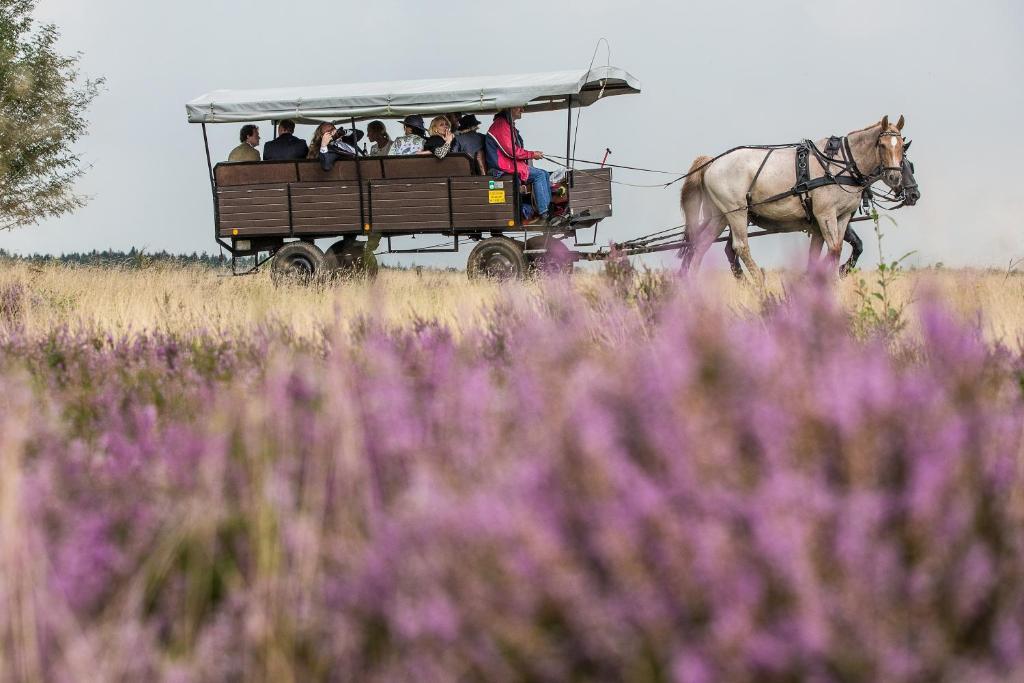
(552, 91)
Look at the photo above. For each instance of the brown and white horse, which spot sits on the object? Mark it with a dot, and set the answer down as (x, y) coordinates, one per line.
(715, 194)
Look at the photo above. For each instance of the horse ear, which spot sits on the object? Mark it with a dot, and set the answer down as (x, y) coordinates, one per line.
(899, 124)
(907, 146)
(885, 123)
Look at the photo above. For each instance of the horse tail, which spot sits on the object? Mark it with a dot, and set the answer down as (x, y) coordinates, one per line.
(691, 198)
(691, 201)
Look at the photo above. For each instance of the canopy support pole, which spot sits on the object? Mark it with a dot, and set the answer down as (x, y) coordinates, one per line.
(359, 182)
(213, 185)
(568, 142)
(516, 198)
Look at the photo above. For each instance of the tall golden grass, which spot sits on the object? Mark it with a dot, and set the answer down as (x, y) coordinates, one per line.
(183, 298)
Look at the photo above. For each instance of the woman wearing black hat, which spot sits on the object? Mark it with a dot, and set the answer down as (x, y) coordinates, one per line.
(471, 141)
(412, 142)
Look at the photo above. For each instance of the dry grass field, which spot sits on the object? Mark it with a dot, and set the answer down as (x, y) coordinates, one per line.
(179, 299)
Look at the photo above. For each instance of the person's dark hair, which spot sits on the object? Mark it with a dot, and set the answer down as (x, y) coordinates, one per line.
(246, 131)
(376, 126)
(287, 124)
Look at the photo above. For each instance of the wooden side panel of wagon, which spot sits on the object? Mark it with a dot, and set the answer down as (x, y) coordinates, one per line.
(591, 193)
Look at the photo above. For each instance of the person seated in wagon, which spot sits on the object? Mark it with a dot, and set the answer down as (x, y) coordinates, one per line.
(329, 144)
(500, 158)
(412, 142)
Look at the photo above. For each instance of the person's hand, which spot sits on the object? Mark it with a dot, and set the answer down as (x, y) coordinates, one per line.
(538, 155)
(326, 138)
(448, 137)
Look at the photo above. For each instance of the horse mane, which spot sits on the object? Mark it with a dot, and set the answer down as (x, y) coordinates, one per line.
(876, 124)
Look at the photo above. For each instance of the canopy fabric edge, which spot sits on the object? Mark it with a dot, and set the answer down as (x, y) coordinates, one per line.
(539, 92)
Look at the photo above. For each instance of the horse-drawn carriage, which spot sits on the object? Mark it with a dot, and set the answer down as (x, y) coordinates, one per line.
(277, 210)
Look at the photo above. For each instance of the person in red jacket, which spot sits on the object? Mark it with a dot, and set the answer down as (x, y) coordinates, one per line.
(501, 135)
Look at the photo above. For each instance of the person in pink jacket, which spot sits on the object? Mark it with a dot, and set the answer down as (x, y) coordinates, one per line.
(500, 158)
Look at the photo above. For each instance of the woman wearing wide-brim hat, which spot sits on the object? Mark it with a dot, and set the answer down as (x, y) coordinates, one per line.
(412, 142)
(471, 141)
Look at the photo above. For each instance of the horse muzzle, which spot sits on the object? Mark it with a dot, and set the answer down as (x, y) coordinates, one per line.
(893, 177)
(911, 195)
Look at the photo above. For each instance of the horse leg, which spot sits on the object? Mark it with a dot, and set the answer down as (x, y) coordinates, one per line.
(734, 261)
(830, 232)
(738, 228)
(815, 251)
(851, 237)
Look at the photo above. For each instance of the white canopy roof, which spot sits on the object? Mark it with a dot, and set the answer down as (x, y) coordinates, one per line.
(539, 92)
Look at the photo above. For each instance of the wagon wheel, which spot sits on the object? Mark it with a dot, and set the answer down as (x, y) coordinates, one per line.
(296, 262)
(349, 257)
(497, 257)
(556, 260)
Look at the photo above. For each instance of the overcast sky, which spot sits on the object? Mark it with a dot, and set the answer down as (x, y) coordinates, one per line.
(714, 75)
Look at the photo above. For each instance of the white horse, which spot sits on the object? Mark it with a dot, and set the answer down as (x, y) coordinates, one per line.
(752, 185)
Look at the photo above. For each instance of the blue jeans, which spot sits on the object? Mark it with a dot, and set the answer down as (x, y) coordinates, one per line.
(541, 188)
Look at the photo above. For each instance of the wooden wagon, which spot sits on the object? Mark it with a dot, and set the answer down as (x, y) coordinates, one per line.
(278, 210)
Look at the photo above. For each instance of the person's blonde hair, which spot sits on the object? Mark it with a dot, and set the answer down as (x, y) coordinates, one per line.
(436, 120)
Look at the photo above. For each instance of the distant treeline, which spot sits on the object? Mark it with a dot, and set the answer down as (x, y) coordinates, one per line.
(133, 258)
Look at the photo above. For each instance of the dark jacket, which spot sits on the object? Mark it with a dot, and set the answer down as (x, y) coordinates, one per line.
(286, 147)
(336, 151)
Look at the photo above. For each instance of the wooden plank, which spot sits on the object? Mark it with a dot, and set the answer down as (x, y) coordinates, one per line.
(253, 187)
(346, 203)
(256, 215)
(431, 184)
(409, 216)
(316, 213)
(317, 190)
(235, 209)
(345, 200)
(275, 225)
(416, 205)
(251, 194)
(254, 201)
(307, 221)
(477, 201)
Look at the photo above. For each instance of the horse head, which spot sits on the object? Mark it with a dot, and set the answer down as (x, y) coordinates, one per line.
(890, 153)
(911, 192)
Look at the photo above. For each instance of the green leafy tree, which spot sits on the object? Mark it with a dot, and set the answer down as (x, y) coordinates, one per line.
(43, 102)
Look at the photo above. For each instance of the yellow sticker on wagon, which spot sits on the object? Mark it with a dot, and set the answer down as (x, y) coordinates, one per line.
(496, 196)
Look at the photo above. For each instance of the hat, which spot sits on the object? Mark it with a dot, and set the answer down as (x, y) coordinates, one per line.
(351, 136)
(468, 121)
(415, 121)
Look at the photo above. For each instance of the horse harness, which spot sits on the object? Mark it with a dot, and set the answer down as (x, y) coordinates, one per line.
(838, 154)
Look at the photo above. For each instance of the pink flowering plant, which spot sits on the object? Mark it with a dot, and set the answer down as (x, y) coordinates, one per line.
(585, 489)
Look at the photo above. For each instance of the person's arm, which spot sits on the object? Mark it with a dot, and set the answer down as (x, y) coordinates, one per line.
(442, 151)
(481, 163)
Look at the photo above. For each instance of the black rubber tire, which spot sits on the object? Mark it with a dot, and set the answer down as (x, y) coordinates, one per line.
(498, 258)
(296, 263)
(557, 261)
(349, 258)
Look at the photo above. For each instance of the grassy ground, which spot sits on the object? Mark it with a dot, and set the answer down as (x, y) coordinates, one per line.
(179, 299)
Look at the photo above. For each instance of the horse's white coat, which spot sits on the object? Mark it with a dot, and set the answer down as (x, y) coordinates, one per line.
(716, 197)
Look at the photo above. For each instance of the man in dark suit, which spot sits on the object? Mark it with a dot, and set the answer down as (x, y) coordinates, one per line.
(286, 147)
